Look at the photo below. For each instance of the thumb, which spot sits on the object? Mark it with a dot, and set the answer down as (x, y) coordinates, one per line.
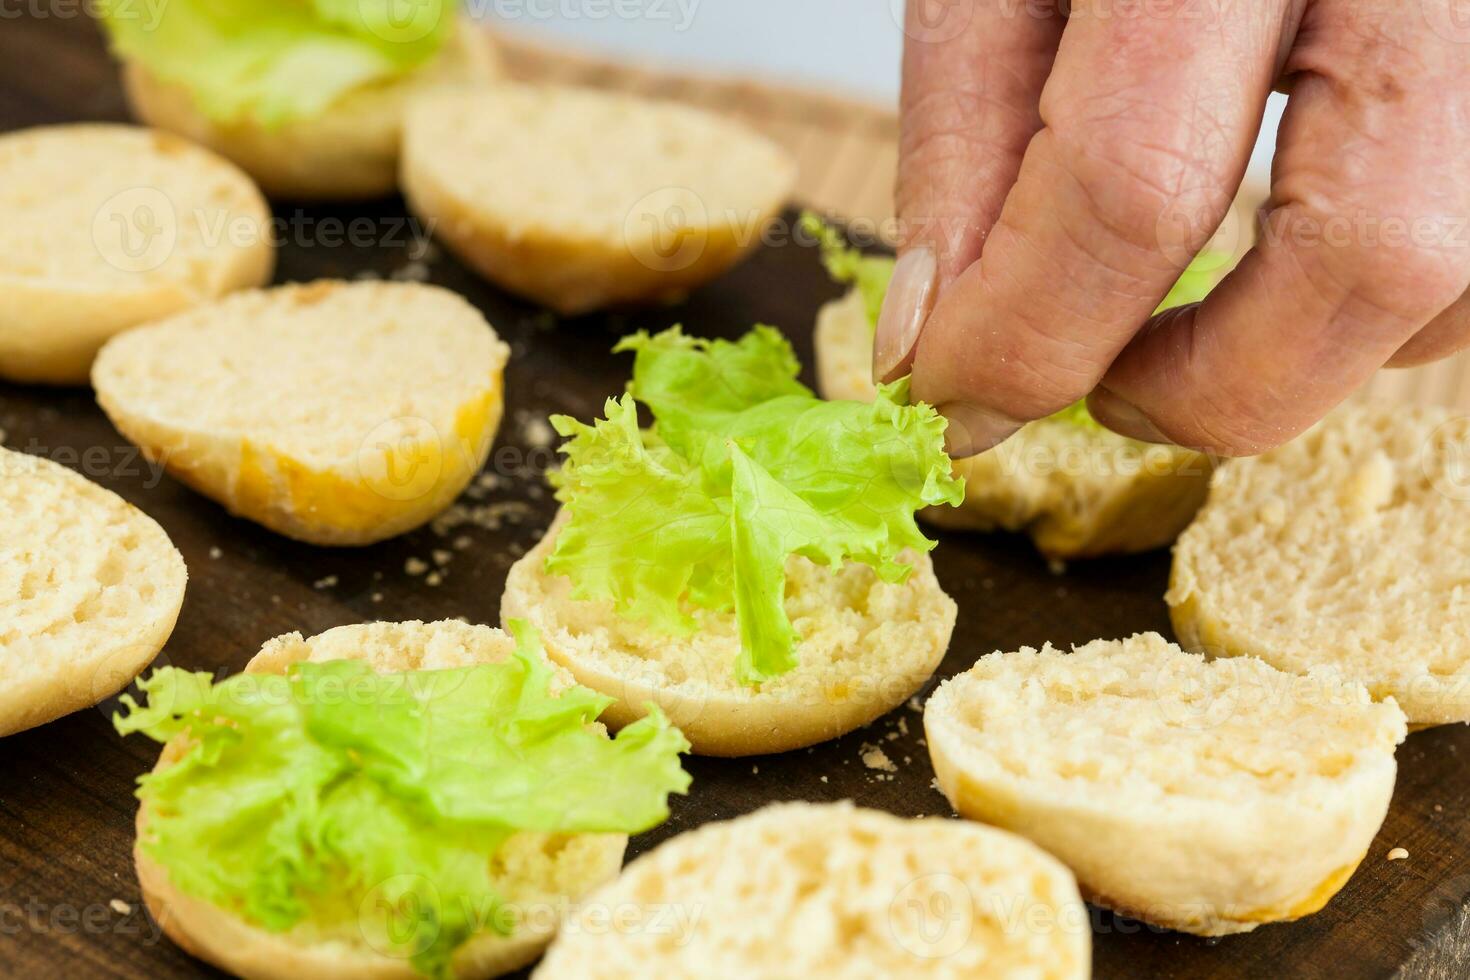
(973, 71)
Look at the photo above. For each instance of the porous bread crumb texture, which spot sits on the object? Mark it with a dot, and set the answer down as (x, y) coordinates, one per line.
(1210, 764)
(339, 413)
(538, 874)
(587, 164)
(90, 588)
(107, 227)
(580, 199)
(94, 207)
(349, 151)
(832, 891)
(1156, 725)
(1077, 490)
(1345, 549)
(866, 646)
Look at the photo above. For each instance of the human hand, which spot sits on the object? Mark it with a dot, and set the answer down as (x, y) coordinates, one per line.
(1058, 171)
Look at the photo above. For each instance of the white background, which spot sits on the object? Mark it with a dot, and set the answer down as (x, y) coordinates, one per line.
(849, 47)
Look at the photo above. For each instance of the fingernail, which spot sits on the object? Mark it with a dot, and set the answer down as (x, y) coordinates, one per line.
(973, 429)
(905, 308)
(1123, 418)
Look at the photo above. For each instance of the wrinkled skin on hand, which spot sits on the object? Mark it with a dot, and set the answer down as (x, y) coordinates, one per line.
(1058, 170)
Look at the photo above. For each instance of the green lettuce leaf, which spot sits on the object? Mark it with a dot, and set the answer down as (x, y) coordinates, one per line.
(273, 61)
(743, 467)
(845, 264)
(334, 795)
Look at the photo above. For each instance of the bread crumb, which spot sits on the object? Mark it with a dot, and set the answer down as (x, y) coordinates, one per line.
(434, 579)
(119, 906)
(875, 758)
(824, 779)
(415, 566)
(3, 435)
(538, 433)
(755, 770)
(1398, 854)
(216, 553)
(1056, 566)
(1439, 808)
(462, 542)
(326, 582)
(490, 517)
(442, 557)
(412, 271)
(377, 597)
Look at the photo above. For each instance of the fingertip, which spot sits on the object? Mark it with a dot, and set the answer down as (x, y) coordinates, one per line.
(973, 429)
(1123, 417)
(906, 307)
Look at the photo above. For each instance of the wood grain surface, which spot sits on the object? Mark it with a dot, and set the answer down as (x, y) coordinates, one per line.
(66, 807)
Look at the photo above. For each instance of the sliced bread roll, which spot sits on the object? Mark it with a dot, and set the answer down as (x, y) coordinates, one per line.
(866, 647)
(1344, 548)
(832, 891)
(348, 152)
(106, 227)
(90, 589)
(1076, 488)
(1205, 796)
(579, 199)
(535, 873)
(334, 413)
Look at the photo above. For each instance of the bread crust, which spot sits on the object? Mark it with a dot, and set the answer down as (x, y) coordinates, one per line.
(879, 664)
(102, 659)
(1078, 493)
(373, 489)
(52, 325)
(217, 936)
(348, 152)
(566, 265)
(1199, 864)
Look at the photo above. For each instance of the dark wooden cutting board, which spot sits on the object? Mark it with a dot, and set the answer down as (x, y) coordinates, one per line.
(66, 804)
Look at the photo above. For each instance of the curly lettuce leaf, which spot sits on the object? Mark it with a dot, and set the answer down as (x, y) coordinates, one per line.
(845, 264)
(333, 793)
(273, 61)
(742, 468)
